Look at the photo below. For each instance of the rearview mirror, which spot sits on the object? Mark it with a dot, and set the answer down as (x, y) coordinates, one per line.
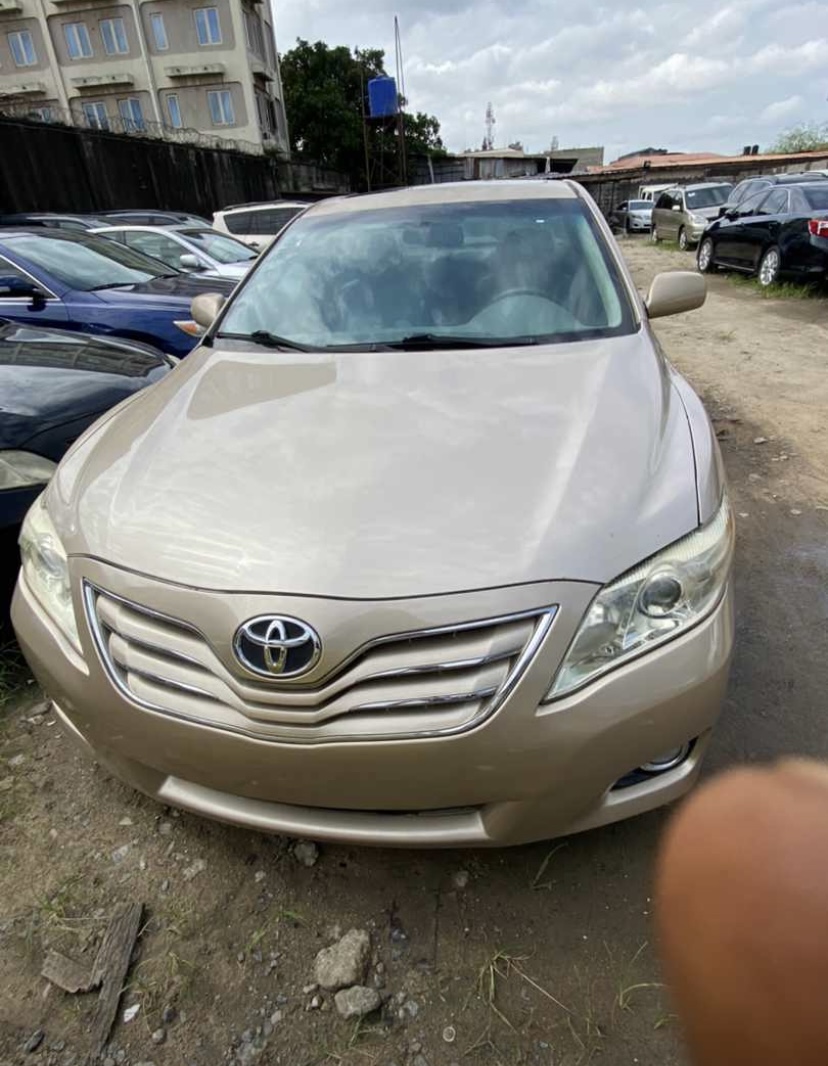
(675, 292)
(189, 262)
(13, 286)
(206, 307)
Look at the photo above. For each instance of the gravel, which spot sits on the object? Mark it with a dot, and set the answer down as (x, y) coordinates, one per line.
(306, 853)
(34, 1041)
(345, 963)
(357, 1002)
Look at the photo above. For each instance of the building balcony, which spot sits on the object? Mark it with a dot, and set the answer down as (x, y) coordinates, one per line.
(11, 7)
(10, 90)
(102, 81)
(196, 70)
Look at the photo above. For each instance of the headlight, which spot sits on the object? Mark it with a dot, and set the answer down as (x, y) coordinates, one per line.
(650, 605)
(45, 568)
(21, 470)
(698, 220)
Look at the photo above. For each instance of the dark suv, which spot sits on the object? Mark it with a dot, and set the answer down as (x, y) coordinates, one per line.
(749, 186)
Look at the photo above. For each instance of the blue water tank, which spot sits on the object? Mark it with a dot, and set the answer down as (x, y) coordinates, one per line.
(382, 97)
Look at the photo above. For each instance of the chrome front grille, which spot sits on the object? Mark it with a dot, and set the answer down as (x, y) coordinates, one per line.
(432, 682)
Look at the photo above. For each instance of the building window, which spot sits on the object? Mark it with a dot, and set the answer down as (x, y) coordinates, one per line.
(114, 37)
(159, 32)
(253, 29)
(42, 114)
(77, 40)
(22, 48)
(221, 107)
(131, 114)
(174, 112)
(96, 116)
(208, 26)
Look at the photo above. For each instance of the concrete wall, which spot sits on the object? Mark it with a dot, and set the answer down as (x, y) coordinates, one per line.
(179, 22)
(195, 109)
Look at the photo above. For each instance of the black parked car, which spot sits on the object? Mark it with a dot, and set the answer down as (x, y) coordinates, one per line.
(773, 233)
(53, 385)
(747, 188)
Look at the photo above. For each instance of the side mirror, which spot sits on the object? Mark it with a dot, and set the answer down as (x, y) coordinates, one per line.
(731, 214)
(675, 292)
(206, 307)
(14, 287)
(188, 261)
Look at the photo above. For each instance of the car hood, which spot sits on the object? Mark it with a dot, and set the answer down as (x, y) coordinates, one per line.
(706, 212)
(377, 475)
(50, 378)
(642, 212)
(175, 291)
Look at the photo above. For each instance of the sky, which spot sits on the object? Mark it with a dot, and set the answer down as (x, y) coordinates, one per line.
(688, 76)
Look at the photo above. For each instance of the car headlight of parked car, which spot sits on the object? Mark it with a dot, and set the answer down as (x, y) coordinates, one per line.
(45, 568)
(699, 220)
(651, 604)
(21, 470)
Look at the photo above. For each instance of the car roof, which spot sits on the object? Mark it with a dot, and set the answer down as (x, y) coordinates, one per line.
(262, 205)
(704, 185)
(451, 193)
(139, 227)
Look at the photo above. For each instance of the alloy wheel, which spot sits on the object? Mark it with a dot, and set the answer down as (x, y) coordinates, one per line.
(706, 255)
(769, 267)
(683, 239)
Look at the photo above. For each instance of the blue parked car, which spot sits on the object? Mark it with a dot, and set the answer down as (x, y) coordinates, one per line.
(79, 281)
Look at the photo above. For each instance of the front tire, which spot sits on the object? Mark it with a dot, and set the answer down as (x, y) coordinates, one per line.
(654, 237)
(683, 242)
(770, 268)
(704, 259)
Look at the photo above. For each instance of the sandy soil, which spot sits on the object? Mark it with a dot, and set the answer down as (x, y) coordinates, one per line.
(540, 956)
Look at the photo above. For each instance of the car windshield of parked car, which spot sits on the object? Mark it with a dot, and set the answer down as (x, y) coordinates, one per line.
(640, 205)
(88, 263)
(712, 197)
(817, 198)
(477, 274)
(222, 249)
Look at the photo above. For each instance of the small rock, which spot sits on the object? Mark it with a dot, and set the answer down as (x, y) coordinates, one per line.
(754, 477)
(125, 821)
(420, 1060)
(398, 934)
(411, 1008)
(199, 866)
(165, 885)
(159, 1036)
(460, 880)
(131, 1012)
(760, 440)
(240, 957)
(308, 990)
(449, 1034)
(34, 1041)
(275, 1017)
(796, 513)
(260, 876)
(14, 762)
(306, 853)
(165, 828)
(109, 1061)
(357, 1002)
(744, 514)
(53, 834)
(315, 1003)
(119, 854)
(380, 967)
(169, 1015)
(344, 964)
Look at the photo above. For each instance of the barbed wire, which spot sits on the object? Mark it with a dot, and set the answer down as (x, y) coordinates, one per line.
(50, 115)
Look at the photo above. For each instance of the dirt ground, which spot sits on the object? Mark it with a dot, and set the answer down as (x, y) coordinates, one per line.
(542, 955)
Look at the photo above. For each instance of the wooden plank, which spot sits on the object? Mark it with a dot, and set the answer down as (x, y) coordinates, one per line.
(110, 970)
(67, 974)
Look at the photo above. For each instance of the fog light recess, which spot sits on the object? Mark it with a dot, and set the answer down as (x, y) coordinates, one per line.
(668, 761)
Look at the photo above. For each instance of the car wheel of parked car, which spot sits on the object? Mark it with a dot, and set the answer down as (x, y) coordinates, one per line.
(684, 244)
(770, 267)
(704, 259)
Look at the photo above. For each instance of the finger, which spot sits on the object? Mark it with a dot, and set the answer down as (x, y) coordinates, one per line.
(742, 909)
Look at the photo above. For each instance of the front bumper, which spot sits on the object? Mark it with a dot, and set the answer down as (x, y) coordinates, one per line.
(529, 772)
(639, 225)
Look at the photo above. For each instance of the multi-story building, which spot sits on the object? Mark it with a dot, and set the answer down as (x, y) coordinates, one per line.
(172, 68)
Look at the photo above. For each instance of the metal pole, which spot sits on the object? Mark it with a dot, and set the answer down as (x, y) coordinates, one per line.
(365, 128)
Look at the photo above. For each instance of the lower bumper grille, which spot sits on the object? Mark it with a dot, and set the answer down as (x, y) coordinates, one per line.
(428, 683)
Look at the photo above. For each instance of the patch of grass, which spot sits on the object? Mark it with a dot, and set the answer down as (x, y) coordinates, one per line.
(14, 674)
(785, 290)
(668, 246)
(159, 980)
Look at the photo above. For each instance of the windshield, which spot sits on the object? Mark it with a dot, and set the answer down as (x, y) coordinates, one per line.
(523, 271)
(817, 198)
(89, 262)
(711, 197)
(640, 205)
(223, 249)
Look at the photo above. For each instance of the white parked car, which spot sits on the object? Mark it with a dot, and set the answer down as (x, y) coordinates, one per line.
(188, 248)
(257, 224)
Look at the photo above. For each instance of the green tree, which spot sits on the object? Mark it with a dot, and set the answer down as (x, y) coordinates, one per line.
(324, 96)
(807, 137)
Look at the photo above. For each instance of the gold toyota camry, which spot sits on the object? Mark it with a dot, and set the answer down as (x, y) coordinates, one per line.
(427, 544)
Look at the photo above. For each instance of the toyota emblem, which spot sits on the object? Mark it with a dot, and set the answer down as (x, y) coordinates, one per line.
(277, 646)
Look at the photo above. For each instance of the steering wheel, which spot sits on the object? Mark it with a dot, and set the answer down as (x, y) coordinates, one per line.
(509, 293)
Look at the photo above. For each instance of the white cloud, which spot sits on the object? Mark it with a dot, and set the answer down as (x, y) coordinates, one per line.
(671, 73)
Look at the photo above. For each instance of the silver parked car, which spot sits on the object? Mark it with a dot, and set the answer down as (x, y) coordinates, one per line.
(633, 216)
(427, 543)
(188, 248)
(683, 214)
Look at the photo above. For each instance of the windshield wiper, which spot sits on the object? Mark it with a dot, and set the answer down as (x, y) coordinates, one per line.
(437, 341)
(266, 339)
